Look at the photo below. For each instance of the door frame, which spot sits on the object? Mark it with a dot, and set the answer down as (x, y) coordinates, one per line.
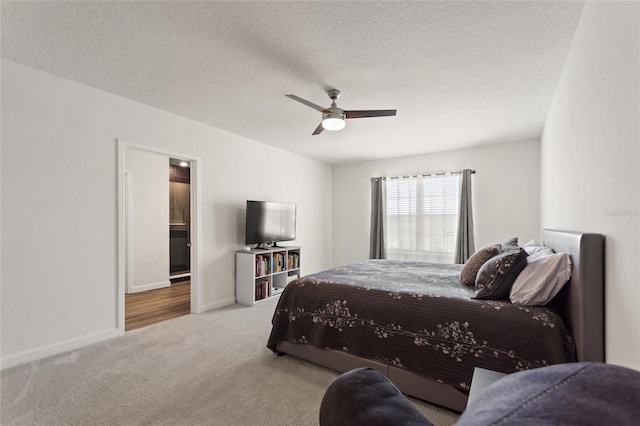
(123, 145)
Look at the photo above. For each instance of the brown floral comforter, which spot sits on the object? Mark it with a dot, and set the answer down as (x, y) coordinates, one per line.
(418, 317)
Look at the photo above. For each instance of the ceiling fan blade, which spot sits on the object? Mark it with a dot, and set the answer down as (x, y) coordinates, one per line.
(318, 130)
(307, 103)
(370, 113)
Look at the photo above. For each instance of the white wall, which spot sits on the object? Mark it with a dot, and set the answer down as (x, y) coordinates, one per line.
(590, 159)
(59, 212)
(506, 190)
(149, 227)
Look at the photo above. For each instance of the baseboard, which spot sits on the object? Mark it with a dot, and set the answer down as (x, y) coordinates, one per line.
(152, 286)
(69, 345)
(216, 305)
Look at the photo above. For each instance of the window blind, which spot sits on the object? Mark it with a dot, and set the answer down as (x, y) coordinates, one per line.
(422, 217)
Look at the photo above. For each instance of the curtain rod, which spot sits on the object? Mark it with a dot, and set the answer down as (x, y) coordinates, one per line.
(422, 174)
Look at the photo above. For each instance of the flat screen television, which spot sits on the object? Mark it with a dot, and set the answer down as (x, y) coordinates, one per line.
(270, 222)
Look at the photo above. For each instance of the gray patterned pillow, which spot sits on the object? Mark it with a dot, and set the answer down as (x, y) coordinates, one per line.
(511, 244)
(497, 275)
(475, 262)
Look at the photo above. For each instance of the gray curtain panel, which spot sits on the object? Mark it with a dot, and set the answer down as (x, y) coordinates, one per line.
(465, 245)
(378, 240)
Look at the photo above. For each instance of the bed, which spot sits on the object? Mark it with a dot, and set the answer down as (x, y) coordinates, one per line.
(416, 324)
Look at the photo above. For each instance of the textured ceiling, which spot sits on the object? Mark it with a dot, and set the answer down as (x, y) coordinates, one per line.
(459, 73)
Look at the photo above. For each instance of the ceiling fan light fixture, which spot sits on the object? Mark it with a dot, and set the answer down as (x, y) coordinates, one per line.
(333, 120)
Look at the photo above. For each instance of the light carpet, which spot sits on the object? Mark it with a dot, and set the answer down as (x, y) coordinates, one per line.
(205, 369)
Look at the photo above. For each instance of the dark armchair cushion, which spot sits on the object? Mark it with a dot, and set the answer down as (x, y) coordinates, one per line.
(364, 396)
(563, 394)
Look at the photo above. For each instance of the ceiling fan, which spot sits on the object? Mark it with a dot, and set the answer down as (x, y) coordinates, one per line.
(333, 118)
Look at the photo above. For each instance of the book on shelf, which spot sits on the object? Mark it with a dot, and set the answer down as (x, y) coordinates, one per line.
(293, 261)
(262, 289)
(278, 262)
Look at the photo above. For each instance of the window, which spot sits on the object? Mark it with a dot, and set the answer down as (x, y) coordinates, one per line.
(422, 218)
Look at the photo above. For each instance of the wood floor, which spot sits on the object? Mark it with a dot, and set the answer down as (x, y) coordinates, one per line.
(150, 307)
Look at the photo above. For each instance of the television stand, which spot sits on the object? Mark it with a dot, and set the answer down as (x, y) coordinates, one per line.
(262, 274)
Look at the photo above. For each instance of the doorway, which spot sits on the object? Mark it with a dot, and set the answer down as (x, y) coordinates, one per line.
(166, 233)
(179, 220)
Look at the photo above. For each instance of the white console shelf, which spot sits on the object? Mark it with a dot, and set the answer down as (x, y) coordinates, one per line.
(262, 274)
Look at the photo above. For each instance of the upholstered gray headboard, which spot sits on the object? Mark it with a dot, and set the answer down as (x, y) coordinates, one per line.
(582, 300)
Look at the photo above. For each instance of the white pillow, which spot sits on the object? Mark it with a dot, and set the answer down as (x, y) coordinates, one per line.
(541, 280)
(537, 252)
(531, 243)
